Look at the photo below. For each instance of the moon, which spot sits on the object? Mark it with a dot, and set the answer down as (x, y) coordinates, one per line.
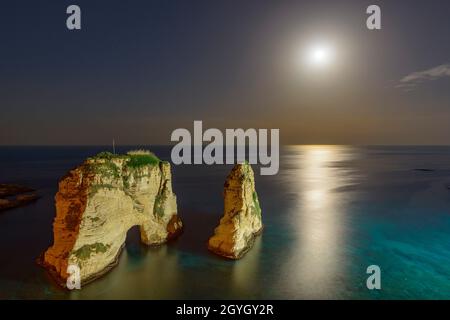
(320, 56)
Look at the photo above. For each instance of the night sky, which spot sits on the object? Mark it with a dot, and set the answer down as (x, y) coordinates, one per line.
(137, 70)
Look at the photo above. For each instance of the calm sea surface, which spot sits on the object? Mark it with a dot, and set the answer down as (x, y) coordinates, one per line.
(330, 213)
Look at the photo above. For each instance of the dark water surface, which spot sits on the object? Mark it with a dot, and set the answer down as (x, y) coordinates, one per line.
(330, 213)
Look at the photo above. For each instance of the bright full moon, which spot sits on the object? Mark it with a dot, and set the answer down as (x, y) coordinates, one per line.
(320, 56)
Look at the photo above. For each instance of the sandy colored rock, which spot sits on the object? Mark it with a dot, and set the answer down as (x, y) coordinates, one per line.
(241, 221)
(99, 201)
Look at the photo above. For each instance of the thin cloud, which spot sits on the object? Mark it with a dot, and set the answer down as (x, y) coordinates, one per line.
(413, 79)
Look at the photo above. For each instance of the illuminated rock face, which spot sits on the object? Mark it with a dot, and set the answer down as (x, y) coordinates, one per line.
(99, 201)
(241, 221)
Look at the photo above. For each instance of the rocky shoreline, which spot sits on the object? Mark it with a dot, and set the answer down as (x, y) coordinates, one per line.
(13, 196)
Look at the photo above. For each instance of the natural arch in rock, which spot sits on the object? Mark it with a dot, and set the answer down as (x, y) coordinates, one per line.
(99, 201)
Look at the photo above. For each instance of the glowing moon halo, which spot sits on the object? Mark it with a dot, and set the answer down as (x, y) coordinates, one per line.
(320, 56)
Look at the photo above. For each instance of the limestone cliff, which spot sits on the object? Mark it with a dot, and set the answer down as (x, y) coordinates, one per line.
(99, 201)
(241, 221)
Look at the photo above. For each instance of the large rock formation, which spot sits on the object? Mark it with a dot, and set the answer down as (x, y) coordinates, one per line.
(99, 201)
(241, 221)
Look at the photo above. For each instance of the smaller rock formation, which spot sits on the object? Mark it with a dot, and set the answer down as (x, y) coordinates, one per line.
(241, 221)
(12, 196)
(99, 201)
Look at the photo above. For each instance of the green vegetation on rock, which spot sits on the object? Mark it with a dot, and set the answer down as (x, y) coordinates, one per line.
(126, 183)
(158, 207)
(85, 251)
(247, 171)
(106, 169)
(106, 155)
(257, 208)
(140, 160)
(103, 164)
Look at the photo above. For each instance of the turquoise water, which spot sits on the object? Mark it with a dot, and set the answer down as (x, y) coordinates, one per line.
(330, 213)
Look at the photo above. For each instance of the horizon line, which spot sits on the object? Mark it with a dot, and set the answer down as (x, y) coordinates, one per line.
(171, 145)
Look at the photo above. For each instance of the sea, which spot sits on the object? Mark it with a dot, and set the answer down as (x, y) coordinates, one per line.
(329, 214)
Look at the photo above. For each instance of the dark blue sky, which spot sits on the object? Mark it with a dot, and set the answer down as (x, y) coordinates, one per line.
(139, 69)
